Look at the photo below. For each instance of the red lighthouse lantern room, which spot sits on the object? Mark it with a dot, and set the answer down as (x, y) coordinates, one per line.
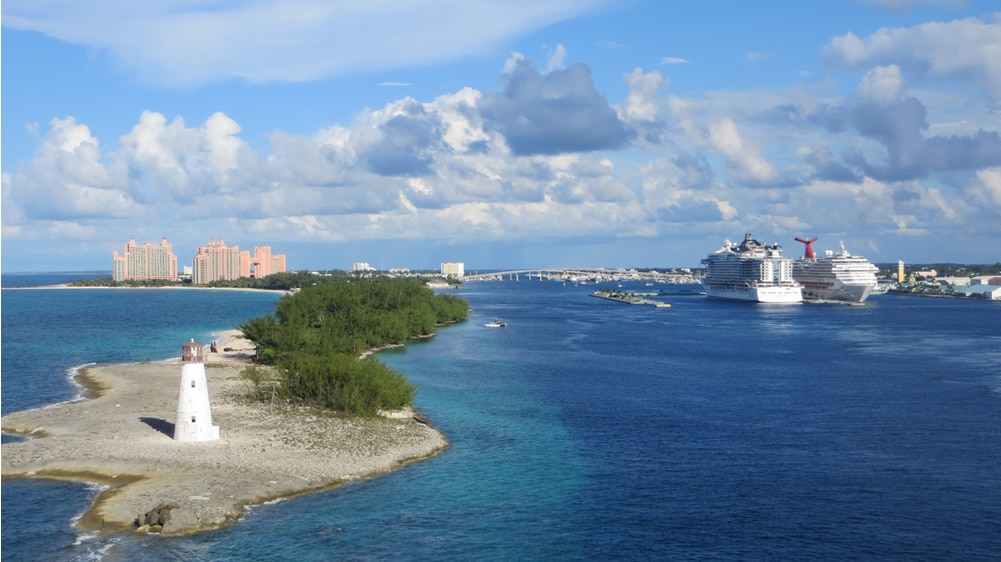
(192, 353)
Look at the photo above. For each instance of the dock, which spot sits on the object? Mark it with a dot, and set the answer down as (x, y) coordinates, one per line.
(629, 297)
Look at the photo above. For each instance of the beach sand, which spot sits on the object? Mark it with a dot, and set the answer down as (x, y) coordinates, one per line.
(120, 436)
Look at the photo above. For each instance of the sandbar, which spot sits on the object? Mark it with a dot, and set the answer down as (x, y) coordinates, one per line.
(120, 436)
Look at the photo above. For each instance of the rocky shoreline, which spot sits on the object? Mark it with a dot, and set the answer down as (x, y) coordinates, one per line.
(120, 436)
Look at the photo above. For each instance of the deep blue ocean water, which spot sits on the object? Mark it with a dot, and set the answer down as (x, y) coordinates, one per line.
(589, 429)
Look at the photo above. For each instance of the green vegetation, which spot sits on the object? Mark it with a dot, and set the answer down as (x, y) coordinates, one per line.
(314, 339)
(109, 282)
(280, 281)
(284, 281)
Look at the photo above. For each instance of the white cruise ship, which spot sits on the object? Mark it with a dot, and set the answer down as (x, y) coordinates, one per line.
(750, 271)
(837, 276)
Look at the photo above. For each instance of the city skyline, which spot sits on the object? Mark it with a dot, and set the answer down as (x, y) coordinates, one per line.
(211, 262)
(501, 134)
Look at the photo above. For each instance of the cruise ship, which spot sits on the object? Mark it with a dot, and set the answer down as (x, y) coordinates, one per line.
(751, 271)
(836, 276)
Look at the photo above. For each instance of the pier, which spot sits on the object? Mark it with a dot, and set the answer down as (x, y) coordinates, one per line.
(629, 297)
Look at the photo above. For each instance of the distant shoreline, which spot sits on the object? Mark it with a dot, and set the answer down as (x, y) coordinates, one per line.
(120, 436)
(197, 287)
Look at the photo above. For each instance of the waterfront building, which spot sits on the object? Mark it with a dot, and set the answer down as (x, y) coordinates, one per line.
(989, 292)
(955, 281)
(144, 262)
(217, 261)
(453, 269)
(193, 421)
(262, 263)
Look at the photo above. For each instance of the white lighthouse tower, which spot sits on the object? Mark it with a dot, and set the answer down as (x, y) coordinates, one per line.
(194, 417)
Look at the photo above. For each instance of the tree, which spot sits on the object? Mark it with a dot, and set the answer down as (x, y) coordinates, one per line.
(314, 339)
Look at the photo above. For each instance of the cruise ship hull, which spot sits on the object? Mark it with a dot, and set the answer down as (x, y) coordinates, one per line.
(750, 272)
(780, 294)
(838, 277)
(836, 292)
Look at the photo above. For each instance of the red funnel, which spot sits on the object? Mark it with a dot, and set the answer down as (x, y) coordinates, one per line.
(809, 247)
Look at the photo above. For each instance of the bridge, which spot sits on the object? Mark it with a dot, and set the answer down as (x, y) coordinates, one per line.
(574, 274)
(543, 273)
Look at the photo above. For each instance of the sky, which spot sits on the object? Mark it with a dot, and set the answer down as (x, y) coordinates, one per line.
(502, 134)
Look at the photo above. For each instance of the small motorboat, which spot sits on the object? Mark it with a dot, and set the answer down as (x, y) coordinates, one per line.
(496, 324)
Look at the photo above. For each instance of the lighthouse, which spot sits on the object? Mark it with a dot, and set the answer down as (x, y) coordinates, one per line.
(194, 417)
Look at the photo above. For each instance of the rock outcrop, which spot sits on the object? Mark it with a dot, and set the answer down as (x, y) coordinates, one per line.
(154, 519)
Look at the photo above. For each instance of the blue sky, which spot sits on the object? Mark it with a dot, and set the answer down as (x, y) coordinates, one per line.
(499, 133)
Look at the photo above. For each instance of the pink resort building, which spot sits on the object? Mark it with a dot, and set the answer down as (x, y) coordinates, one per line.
(219, 261)
(263, 262)
(144, 262)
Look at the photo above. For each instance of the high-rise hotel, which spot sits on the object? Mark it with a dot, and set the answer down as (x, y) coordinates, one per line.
(145, 262)
(212, 262)
(215, 261)
(219, 261)
(262, 263)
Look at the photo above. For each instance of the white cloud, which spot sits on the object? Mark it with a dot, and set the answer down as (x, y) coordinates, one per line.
(882, 84)
(644, 90)
(989, 191)
(463, 127)
(557, 59)
(436, 169)
(673, 60)
(185, 160)
(196, 42)
(967, 50)
(160, 147)
(68, 179)
(724, 137)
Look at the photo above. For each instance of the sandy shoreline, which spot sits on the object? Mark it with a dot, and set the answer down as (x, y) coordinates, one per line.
(120, 436)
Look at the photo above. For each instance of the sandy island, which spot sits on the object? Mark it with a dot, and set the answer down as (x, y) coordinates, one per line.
(120, 436)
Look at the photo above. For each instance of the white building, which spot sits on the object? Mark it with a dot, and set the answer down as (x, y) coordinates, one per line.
(955, 281)
(989, 292)
(453, 269)
(361, 266)
(194, 416)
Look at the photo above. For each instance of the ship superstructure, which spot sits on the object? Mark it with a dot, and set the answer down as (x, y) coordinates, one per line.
(836, 276)
(751, 271)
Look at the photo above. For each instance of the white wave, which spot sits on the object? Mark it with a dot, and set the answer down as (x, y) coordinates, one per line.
(101, 549)
(82, 538)
(249, 508)
(71, 374)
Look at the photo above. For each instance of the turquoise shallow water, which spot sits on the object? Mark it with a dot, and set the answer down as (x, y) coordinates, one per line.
(589, 429)
(46, 332)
